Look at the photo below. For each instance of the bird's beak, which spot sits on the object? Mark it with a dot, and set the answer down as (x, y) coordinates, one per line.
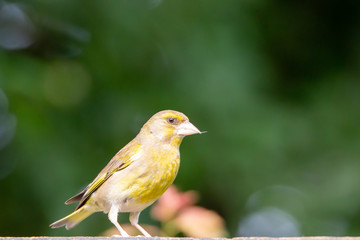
(187, 128)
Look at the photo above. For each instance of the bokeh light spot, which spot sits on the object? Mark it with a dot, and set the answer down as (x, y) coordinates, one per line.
(16, 29)
(270, 222)
(66, 83)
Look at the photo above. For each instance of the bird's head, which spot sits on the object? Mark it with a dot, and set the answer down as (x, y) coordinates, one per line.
(168, 127)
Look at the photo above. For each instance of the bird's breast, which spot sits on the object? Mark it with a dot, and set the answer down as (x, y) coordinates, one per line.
(142, 182)
(156, 175)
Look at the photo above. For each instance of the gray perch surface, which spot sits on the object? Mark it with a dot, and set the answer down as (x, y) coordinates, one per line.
(172, 238)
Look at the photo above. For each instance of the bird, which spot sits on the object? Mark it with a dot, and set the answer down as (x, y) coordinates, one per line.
(137, 175)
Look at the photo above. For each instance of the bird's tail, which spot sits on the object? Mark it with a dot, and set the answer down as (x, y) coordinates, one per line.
(72, 219)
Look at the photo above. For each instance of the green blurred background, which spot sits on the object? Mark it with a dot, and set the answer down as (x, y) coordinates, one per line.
(275, 84)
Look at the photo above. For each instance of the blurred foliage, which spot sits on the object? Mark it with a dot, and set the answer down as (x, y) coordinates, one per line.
(275, 84)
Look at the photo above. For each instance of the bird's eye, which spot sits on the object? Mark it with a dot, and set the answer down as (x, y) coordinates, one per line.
(172, 120)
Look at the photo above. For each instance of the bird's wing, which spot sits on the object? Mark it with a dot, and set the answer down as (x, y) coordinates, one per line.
(99, 181)
(119, 162)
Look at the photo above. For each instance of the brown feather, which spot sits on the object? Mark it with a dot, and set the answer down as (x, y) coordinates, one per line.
(77, 197)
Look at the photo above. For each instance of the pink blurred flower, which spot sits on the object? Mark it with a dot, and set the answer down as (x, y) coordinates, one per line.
(177, 213)
(171, 202)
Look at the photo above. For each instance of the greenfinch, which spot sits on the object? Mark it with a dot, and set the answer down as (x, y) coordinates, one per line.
(137, 175)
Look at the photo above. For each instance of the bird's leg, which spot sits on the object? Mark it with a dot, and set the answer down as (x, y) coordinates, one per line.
(113, 214)
(134, 218)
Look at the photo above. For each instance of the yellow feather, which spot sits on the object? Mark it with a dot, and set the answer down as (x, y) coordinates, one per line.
(72, 219)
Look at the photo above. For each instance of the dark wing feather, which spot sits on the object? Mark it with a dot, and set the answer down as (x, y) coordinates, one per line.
(77, 197)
